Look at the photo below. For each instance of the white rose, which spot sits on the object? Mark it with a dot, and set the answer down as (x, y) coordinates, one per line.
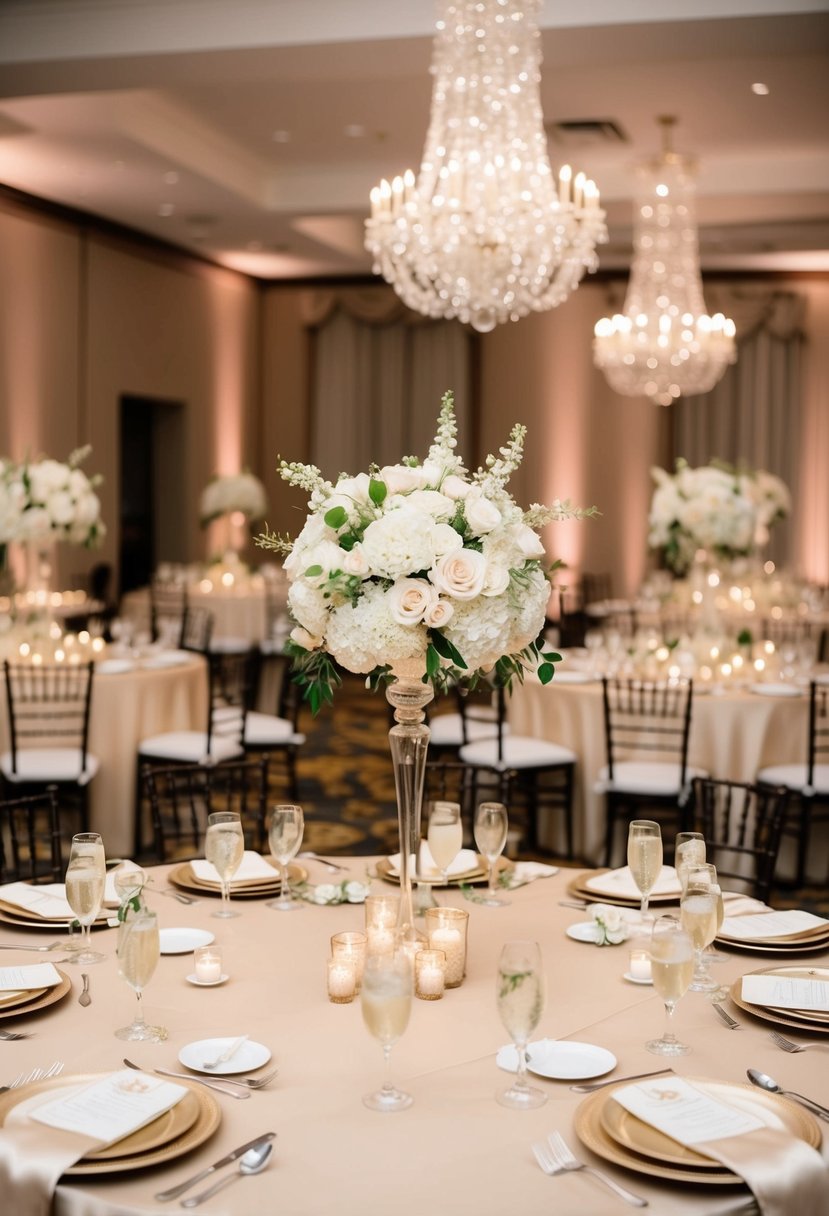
(460, 574)
(429, 502)
(327, 556)
(528, 541)
(355, 488)
(409, 599)
(445, 539)
(481, 514)
(455, 487)
(438, 614)
(325, 893)
(355, 892)
(430, 473)
(400, 479)
(497, 579)
(305, 639)
(355, 562)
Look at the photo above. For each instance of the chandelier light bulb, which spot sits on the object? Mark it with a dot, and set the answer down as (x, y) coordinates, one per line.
(485, 232)
(664, 345)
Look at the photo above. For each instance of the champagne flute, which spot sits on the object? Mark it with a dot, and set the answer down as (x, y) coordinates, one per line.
(224, 847)
(137, 960)
(85, 878)
(445, 835)
(644, 857)
(490, 837)
(520, 996)
(699, 913)
(285, 830)
(672, 965)
(386, 997)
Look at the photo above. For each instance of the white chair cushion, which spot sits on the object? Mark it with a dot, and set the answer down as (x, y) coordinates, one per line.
(48, 764)
(447, 730)
(793, 776)
(264, 729)
(518, 752)
(189, 747)
(229, 645)
(645, 777)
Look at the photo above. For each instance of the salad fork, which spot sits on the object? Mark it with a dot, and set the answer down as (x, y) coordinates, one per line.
(555, 1158)
(787, 1045)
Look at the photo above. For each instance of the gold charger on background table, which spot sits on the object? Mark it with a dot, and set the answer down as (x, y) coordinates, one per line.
(764, 946)
(577, 887)
(11, 914)
(49, 997)
(184, 878)
(149, 1145)
(792, 1018)
(22, 997)
(475, 875)
(591, 1126)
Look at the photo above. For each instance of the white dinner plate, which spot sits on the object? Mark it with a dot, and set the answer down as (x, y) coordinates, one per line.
(777, 690)
(193, 979)
(114, 667)
(183, 941)
(167, 658)
(584, 931)
(560, 1059)
(249, 1056)
(636, 979)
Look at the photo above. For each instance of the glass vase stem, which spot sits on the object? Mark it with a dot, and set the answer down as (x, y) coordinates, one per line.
(409, 742)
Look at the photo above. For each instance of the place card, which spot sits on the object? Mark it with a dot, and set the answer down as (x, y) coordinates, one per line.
(113, 1107)
(770, 924)
(253, 868)
(21, 979)
(787, 992)
(683, 1112)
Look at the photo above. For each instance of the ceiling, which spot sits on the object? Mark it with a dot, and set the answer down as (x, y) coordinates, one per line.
(251, 131)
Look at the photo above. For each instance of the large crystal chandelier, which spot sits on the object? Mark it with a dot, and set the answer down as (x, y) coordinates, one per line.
(485, 233)
(664, 345)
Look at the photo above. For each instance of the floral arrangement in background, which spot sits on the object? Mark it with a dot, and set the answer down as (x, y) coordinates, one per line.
(234, 492)
(418, 562)
(725, 511)
(43, 500)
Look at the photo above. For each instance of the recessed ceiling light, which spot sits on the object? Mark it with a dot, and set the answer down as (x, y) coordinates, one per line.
(171, 178)
(762, 90)
(166, 209)
(354, 130)
(281, 137)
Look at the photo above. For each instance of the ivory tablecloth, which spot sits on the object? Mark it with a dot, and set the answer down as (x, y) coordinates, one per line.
(239, 613)
(455, 1150)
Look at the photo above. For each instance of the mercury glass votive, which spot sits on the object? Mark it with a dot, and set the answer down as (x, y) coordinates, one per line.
(352, 948)
(430, 974)
(381, 922)
(446, 929)
(342, 981)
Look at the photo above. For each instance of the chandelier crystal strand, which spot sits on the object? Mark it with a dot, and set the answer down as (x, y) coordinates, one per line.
(664, 345)
(485, 233)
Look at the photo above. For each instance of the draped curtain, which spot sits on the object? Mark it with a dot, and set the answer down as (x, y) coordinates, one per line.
(753, 416)
(379, 372)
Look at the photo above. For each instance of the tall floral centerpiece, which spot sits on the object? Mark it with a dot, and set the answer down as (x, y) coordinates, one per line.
(238, 498)
(422, 575)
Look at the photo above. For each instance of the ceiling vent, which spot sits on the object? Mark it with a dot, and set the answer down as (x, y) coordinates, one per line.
(585, 132)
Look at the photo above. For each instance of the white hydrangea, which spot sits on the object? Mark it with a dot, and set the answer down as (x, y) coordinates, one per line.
(234, 492)
(398, 544)
(309, 607)
(49, 500)
(366, 633)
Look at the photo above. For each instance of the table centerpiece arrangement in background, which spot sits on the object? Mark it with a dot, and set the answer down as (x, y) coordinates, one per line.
(422, 577)
(236, 499)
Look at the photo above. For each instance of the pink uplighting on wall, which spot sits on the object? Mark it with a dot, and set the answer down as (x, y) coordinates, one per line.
(228, 383)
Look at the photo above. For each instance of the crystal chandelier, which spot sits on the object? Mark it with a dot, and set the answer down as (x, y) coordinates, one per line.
(485, 233)
(664, 345)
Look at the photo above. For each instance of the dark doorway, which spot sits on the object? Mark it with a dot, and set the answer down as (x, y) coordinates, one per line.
(152, 492)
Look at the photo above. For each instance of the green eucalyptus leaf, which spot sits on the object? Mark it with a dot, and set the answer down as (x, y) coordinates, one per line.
(377, 491)
(313, 572)
(336, 517)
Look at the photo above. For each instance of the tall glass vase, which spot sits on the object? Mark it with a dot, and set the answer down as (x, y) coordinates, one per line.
(409, 741)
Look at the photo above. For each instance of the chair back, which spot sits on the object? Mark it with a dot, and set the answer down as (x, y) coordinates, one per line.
(646, 719)
(48, 706)
(230, 677)
(30, 838)
(476, 705)
(742, 825)
(447, 781)
(196, 629)
(182, 796)
(596, 587)
(168, 600)
(818, 728)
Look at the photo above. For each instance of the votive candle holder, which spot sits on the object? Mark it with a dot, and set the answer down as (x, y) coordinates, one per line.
(351, 947)
(430, 974)
(446, 929)
(342, 981)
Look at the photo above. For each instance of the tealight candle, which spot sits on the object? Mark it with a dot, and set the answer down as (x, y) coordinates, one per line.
(352, 948)
(430, 979)
(207, 964)
(342, 981)
(640, 965)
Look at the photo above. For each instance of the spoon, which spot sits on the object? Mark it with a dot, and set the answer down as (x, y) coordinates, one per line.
(85, 999)
(253, 1162)
(763, 1081)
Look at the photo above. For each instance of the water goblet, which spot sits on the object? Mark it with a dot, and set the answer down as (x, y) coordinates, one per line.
(520, 996)
(85, 879)
(224, 847)
(644, 857)
(445, 835)
(284, 837)
(490, 837)
(689, 851)
(699, 913)
(672, 965)
(386, 998)
(138, 952)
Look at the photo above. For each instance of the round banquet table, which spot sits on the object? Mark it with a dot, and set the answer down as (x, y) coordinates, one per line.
(733, 735)
(455, 1150)
(129, 706)
(239, 612)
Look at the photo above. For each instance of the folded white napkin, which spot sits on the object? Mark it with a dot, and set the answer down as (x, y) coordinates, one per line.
(620, 883)
(528, 871)
(47, 901)
(750, 927)
(253, 867)
(21, 979)
(465, 861)
(737, 903)
(785, 1174)
(786, 992)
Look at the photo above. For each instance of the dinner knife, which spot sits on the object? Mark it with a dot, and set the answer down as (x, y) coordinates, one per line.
(175, 1191)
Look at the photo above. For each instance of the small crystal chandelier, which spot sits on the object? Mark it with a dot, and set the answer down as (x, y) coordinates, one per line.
(664, 345)
(485, 233)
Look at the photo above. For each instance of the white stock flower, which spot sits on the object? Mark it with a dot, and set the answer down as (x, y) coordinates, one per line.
(460, 574)
(398, 543)
(430, 502)
(410, 599)
(481, 515)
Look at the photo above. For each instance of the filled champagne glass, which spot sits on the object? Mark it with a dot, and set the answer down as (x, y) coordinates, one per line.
(490, 838)
(445, 835)
(386, 997)
(644, 857)
(520, 995)
(85, 879)
(700, 910)
(224, 848)
(672, 965)
(285, 829)
(689, 851)
(137, 960)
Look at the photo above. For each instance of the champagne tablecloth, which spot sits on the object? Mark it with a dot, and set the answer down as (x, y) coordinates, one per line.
(239, 613)
(455, 1150)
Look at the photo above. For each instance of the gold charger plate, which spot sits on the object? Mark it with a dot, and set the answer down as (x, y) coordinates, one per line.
(183, 1140)
(590, 1130)
(792, 1018)
(16, 916)
(768, 946)
(50, 997)
(184, 878)
(473, 875)
(576, 886)
(22, 997)
(639, 1137)
(174, 1122)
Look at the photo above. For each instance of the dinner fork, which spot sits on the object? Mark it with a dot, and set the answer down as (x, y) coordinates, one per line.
(557, 1159)
(182, 899)
(730, 1022)
(37, 949)
(37, 1074)
(14, 1034)
(257, 1082)
(787, 1045)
